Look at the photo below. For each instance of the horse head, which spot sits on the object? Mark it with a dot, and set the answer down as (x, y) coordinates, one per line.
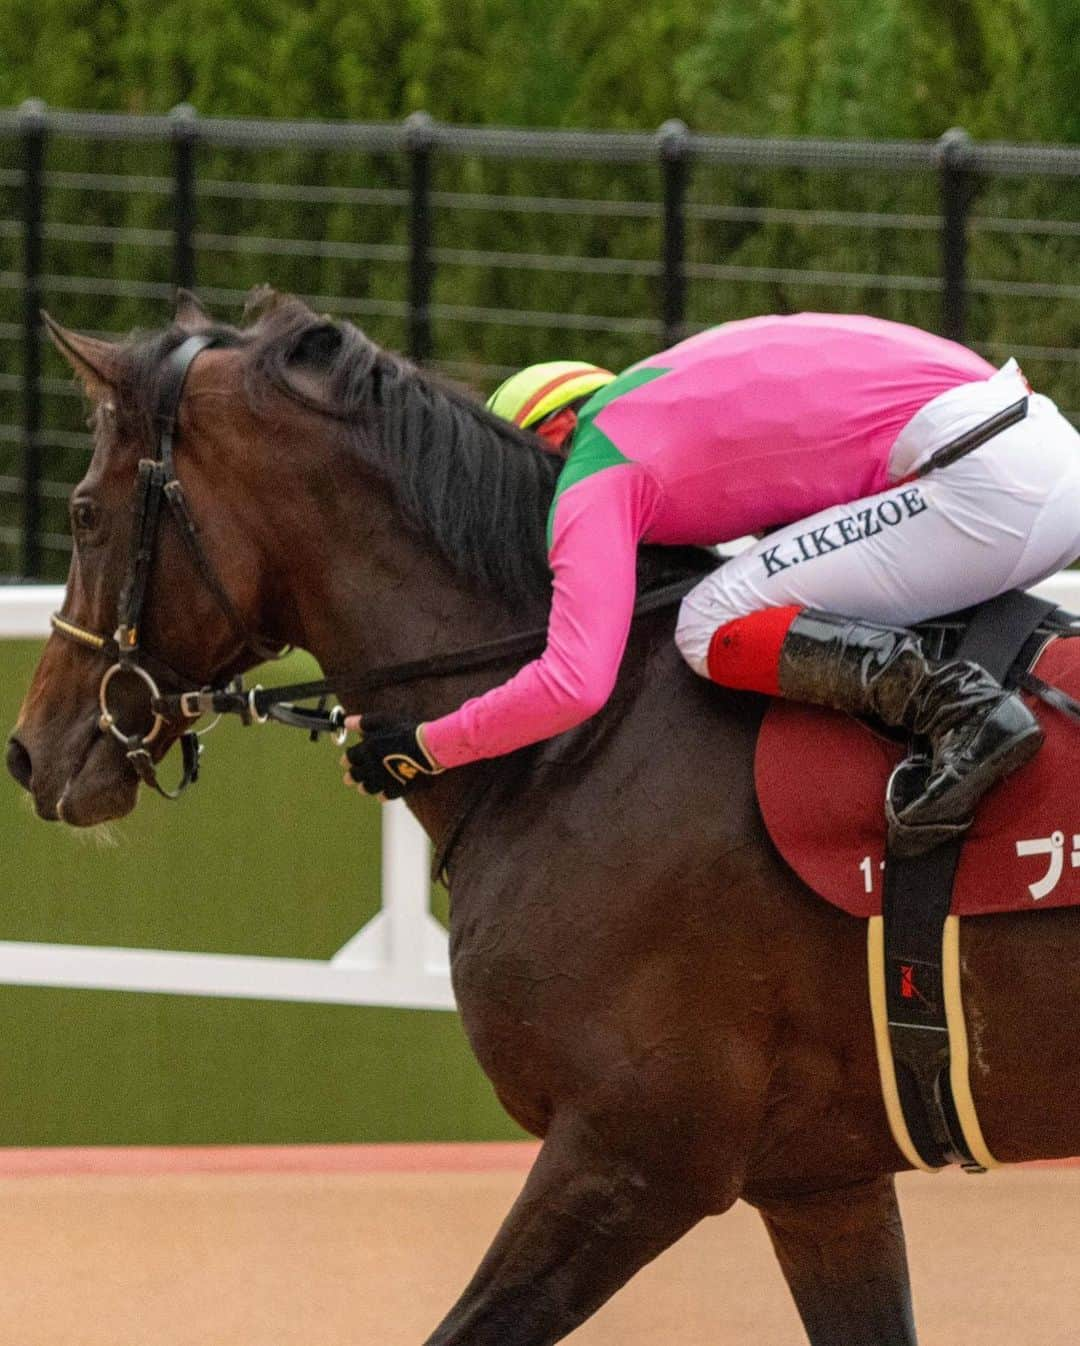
(337, 499)
(188, 636)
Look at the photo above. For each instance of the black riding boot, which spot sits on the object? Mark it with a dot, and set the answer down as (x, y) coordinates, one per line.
(978, 731)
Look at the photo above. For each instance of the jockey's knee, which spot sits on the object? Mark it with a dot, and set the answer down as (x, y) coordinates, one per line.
(709, 605)
(741, 650)
(693, 632)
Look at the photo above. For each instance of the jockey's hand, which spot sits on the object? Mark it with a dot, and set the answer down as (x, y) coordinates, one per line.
(390, 758)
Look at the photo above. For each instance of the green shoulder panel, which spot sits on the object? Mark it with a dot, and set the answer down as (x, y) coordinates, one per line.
(592, 450)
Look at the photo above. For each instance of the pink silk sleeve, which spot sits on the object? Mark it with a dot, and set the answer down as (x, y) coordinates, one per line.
(598, 524)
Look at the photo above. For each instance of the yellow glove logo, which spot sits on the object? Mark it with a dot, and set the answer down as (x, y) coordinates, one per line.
(403, 768)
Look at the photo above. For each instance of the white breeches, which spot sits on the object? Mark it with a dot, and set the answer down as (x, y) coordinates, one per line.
(1004, 517)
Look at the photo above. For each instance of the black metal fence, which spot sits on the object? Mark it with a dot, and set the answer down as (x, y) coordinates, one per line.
(445, 241)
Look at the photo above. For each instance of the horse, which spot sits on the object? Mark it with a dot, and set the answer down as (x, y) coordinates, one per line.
(649, 988)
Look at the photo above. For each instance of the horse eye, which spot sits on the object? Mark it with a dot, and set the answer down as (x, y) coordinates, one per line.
(84, 516)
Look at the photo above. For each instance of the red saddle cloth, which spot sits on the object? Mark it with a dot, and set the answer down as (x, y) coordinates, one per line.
(821, 779)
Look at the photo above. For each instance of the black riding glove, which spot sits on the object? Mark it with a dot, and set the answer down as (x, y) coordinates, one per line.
(390, 758)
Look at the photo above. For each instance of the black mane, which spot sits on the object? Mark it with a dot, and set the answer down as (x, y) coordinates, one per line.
(475, 486)
(478, 488)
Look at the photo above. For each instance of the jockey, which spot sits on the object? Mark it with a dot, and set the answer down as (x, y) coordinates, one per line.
(810, 431)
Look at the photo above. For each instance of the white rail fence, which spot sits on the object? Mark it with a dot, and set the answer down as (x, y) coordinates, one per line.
(397, 959)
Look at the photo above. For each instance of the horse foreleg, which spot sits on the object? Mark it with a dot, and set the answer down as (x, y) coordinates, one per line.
(583, 1224)
(842, 1253)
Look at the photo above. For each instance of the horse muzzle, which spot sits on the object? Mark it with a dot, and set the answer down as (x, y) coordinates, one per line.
(82, 784)
(19, 764)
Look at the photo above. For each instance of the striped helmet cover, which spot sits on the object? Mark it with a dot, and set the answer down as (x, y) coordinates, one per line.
(537, 391)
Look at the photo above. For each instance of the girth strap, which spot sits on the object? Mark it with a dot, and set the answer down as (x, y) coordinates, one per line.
(916, 902)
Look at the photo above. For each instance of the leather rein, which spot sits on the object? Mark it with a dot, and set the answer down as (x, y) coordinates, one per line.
(158, 486)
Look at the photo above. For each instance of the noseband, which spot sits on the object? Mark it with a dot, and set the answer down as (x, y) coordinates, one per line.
(158, 485)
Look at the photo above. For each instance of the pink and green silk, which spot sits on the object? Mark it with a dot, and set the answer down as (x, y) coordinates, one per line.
(745, 427)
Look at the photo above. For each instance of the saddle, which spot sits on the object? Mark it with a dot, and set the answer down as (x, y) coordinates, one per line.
(822, 779)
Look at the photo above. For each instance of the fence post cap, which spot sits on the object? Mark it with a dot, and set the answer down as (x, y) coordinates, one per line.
(954, 146)
(674, 138)
(34, 112)
(183, 117)
(419, 130)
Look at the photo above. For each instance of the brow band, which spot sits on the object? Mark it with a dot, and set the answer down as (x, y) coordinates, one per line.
(78, 633)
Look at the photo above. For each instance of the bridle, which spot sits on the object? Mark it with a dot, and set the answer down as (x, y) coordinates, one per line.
(158, 486)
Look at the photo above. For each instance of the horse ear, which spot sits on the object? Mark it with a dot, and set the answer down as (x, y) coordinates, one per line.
(261, 301)
(98, 363)
(190, 314)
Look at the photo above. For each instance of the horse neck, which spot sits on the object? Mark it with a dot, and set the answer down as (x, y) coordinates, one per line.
(366, 593)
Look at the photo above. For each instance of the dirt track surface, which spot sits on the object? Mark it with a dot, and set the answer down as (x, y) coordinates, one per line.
(374, 1258)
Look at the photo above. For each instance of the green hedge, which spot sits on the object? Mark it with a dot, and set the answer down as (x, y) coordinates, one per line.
(1005, 69)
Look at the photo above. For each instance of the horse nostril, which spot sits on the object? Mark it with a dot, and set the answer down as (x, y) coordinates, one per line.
(18, 763)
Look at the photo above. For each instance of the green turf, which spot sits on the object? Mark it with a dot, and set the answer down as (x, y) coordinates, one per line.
(267, 855)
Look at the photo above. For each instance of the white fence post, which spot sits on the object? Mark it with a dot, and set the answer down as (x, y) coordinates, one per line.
(398, 959)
